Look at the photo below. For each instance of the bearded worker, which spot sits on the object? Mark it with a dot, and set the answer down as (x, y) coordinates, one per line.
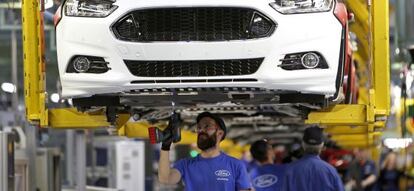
(211, 169)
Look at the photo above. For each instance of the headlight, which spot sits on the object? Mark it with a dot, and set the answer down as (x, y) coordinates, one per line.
(301, 6)
(89, 8)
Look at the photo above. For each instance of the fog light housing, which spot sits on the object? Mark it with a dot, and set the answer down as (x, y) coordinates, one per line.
(303, 61)
(81, 64)
(87, 64)
(310, 60)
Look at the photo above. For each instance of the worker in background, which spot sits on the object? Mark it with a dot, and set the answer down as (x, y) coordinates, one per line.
(390, 175)
(211, 169)
(295, 153)
(248, 161)
(310, 173)
(266, 176)
(361, 175)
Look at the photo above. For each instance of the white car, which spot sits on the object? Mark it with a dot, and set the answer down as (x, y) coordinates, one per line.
(153, 52)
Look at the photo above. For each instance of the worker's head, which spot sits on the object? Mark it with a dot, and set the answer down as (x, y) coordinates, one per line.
(361, 154)
(211, 130)
(296, 151)
(390, 162)
(262, 151)
(312, 141)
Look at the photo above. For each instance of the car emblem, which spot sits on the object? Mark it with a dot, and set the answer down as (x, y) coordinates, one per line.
(265, 180)
(222, 173)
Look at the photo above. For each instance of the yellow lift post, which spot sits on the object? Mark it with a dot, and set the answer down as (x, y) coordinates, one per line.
(353, 125)
(361, 125)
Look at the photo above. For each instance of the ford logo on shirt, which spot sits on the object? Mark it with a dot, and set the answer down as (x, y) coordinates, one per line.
(222, 173)
(264, 181)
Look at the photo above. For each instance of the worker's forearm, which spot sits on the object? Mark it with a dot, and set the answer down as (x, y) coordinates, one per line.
(368, 181)
(164, 167)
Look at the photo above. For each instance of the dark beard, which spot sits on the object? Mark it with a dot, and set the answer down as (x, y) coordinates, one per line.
(205, 142)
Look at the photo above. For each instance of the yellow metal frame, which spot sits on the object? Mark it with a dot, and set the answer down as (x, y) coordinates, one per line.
(366, 120)
(34, 73)
(351, 125)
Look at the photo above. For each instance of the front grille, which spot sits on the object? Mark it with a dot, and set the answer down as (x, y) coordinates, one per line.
(193, 24)
(193, 68)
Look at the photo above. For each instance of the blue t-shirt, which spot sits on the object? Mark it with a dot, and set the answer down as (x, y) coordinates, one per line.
(310, 173)
(360, 171)
(222, 173)
(268, 177)
(367, 170)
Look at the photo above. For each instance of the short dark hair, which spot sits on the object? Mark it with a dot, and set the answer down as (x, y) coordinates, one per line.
(259, 150)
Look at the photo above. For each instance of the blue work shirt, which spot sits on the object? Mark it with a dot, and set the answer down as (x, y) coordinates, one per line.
(268, 177)
(221, 173)
(368, 169)
(389, 180)
(359, 171)
(310, 173)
